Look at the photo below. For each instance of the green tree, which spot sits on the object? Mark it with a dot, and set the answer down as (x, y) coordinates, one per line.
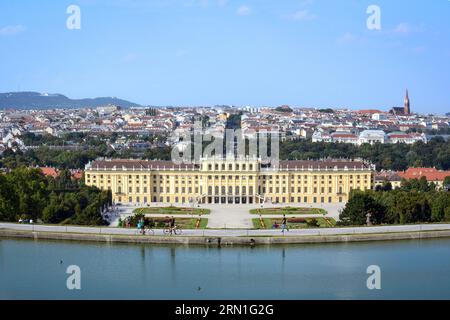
(447, 181)
(30, 185)
(359, 206)
(8, 201)
(440, 203)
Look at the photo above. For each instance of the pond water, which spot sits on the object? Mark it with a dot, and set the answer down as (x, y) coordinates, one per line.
(418, 269)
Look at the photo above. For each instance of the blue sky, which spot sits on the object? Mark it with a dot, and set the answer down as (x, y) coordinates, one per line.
(250, 52)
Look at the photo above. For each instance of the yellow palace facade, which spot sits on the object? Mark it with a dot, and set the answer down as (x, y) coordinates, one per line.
(225, 181)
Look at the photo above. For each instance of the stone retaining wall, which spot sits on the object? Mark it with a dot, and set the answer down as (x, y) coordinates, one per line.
(222, 241)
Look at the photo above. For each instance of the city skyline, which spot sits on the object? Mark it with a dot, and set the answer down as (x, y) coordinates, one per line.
(300, 53)
(406, 107)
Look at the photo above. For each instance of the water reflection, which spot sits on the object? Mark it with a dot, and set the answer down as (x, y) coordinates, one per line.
(171, 272)
(1, 252)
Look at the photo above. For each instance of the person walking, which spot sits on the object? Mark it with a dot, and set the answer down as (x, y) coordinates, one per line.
(172, 225)
(284, 224)
(141, 225)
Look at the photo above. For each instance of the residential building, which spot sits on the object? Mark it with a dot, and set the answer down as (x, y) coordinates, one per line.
(431, 174)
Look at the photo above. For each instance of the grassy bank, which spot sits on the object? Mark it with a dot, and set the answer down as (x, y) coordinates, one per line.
(295, 223)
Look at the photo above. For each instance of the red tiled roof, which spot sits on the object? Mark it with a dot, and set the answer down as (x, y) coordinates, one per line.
(77, 175)
(431, 174)
(50, 172)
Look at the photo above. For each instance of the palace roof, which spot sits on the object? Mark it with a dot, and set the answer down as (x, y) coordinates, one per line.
(168, 165)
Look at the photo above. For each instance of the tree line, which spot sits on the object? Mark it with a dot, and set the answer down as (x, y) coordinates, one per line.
(416, 201)
(26, 193)
(398, 157)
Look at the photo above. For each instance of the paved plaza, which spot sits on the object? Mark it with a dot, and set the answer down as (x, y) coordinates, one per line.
(224, 216)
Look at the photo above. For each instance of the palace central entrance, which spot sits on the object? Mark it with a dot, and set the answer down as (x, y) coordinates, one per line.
(229, 200)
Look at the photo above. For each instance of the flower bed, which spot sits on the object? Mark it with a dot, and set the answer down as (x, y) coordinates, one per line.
(171, 211)
(289, 211)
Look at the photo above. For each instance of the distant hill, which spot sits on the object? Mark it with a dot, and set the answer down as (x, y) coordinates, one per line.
(35, 100)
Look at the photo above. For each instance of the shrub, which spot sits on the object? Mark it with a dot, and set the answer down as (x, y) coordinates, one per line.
(297, 220)
(313, 223)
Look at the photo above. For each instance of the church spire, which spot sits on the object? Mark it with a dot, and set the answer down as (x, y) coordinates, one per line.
(407, 103)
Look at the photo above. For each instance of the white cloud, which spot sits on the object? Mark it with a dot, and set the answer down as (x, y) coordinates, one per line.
(346, 38)
(129, 57)
(243, 10)
(12, 30)
(204, 3)
(405, 29)
(306, 2)
(349, 38)
(222, 3)
(303, 15)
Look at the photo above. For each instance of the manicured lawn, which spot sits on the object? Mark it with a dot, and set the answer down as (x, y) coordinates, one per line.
(171, 211)
(267, 222)
(295, 223)
(203, 224)
(288, 211)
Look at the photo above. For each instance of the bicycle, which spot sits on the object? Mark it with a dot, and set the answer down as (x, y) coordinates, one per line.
(149, 232)
(170, 231)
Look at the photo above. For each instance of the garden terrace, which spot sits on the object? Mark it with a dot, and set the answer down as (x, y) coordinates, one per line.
(288, 211)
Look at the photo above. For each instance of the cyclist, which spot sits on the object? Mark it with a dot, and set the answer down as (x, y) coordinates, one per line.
(172, 225)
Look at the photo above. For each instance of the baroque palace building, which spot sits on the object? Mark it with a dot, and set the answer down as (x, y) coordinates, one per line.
(230, 181)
